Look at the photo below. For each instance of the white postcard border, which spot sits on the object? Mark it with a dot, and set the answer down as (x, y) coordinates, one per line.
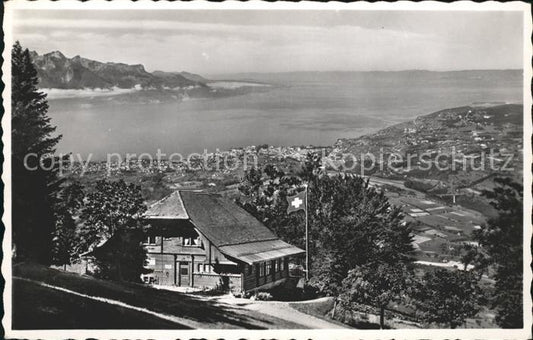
(524, 333)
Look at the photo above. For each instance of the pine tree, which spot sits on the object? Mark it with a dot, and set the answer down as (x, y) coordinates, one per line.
(502, 239)
(33, 185)
(31, 129)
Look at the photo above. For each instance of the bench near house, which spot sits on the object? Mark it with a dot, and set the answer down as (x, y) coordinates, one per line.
(198, 239)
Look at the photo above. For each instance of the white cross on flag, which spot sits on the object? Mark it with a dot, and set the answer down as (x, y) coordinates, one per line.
(296, 202)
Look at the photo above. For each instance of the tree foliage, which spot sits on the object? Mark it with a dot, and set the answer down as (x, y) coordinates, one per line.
(448, 297)
(264, 196)
(475, 256)
(376, 284)
(31, 128)
(350, 222)
(112, 229)
(502, 238)
(353, 224)
(34, 187)
(66, 240)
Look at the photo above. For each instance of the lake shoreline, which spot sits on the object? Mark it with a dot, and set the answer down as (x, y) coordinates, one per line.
(301, 110)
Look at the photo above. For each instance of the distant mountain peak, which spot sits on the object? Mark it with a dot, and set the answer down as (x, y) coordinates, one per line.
(57, 71)
(55, 54)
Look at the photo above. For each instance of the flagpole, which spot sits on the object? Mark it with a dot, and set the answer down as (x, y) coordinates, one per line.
(306, 238)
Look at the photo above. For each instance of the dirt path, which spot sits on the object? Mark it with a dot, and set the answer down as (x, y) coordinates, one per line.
(280, 310)
(284, 311)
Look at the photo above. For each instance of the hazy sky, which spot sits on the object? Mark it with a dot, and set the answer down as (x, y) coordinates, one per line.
(223, 41)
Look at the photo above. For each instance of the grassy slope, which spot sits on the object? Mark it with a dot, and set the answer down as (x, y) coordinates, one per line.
(167, 302)
(37, 307)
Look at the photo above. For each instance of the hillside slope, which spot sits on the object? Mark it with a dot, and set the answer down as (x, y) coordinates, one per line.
(57, 71)
(39, 307)
(34, 304)
(190, 76)
(458, 150)
(463, 127)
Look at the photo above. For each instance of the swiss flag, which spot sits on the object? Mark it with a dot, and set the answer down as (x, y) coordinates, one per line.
(297, 202)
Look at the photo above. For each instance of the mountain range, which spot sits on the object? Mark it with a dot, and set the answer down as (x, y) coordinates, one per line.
(57, 71)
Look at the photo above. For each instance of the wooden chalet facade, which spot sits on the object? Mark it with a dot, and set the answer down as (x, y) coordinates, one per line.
(198, 239)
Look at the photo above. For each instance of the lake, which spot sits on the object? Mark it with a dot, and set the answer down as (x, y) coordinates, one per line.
(298, 109)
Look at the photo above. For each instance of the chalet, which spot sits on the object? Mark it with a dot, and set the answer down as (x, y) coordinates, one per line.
(198, 239)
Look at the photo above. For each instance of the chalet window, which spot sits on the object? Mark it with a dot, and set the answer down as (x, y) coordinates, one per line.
(192, 242)
(151, 240)
(280, 263)
(207, 268)
(274, 266)
(268, 267)
(262, 269)
(148, 279)
(199, 268)
(184, 270)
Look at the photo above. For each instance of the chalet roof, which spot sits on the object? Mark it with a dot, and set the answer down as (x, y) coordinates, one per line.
(260, 251)
(222, 221)
(229, 227)
(170, 207)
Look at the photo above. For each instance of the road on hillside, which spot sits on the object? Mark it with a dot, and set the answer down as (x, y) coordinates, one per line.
(278, 309)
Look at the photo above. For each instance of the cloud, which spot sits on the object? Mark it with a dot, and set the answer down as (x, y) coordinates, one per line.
(390, 42)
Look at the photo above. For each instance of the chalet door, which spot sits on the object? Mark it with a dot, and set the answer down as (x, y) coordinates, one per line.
(184, 272)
